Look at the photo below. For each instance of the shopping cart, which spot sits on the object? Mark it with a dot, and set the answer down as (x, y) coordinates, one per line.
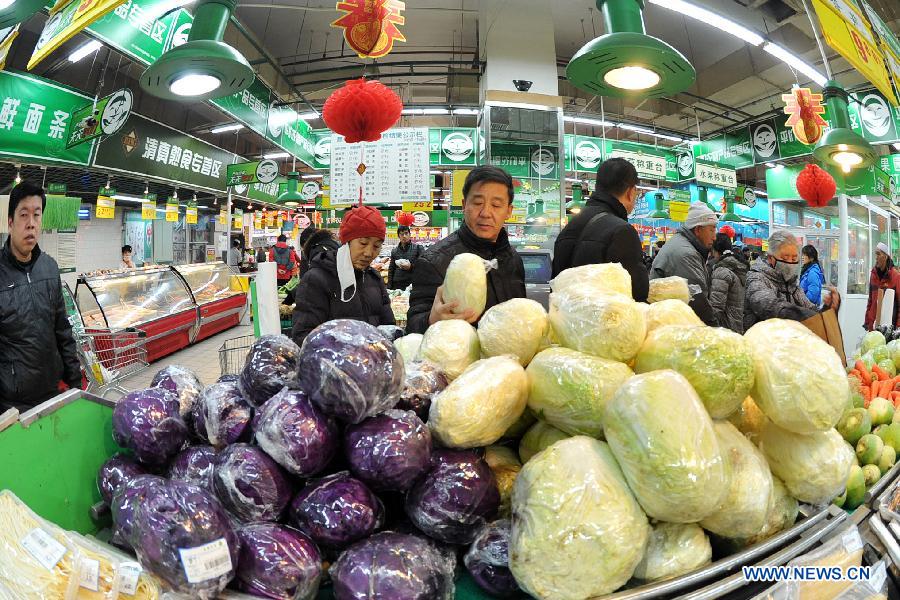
(233, 353)
(109, 356)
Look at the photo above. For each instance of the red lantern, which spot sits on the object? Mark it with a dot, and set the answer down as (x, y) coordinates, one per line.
(816, 186)
(404, 218)
(362, 110)
(728, 230)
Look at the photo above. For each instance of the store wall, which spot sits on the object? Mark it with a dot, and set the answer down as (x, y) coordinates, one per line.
(99, 243)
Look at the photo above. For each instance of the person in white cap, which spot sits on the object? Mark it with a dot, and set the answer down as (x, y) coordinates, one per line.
(685, 255)
(884, 277)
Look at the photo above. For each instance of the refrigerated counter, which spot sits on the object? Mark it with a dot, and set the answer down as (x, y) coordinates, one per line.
(218, 295)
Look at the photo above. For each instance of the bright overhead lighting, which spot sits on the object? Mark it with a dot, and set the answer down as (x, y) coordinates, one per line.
(632, 78)
(586, 121)
(313, 176)
(435, 111)
(276, 155)
(761, 193)
(123, 198)
(224, 128)
(465, 111)
(84, 50)
(519, 105)
(771, 165)
(847, 159)
(412, 111)
(711, 18)
(309, 116)
(6, 3)
(435, 172)
(897, 146)
(636, 129)
(194, 84)
(796, 62)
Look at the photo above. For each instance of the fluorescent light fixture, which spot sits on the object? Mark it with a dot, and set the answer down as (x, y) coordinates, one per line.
(435, 111)
(796, 62)
(465, 111)
(771, 165)
(276, 155)
(586, 121)
(520, 105)
(779, 167)
(411, 111)
(761, 193)
(224, 128)
(313, 176)
(123, 198)
(194, 84)
(6, 3)
(632, 78)
(283, 116)
(84, 50)
(711, 18)
(309, 116)
(636, 129)
(435, 172)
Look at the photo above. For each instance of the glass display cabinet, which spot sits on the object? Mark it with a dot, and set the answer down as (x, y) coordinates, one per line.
(216, 291)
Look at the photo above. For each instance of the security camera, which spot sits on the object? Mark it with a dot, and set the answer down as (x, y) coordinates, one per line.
(522, 85)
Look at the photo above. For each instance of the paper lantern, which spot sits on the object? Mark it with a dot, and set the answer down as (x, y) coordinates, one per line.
(404, 218)
(362, 110)
(816, 186)
(728, 230)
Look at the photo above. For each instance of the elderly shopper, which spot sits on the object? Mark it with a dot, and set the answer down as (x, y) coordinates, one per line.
(884, 277)
(729, 278)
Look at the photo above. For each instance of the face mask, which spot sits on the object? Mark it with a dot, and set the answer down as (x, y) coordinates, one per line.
(346, 274)
(787, 270)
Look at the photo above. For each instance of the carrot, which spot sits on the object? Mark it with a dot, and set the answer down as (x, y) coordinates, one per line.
(879, 372)
(855, 373)
(886, 388)
(863, 373)
(867, 396)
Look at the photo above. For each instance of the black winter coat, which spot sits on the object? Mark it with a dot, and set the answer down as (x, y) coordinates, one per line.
(37, 349)
(399, 279)
(609, 239)
(504, 283)
(319, 242)
(319, 298)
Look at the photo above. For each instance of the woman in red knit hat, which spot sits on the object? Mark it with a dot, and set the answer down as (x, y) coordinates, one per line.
(341, 284)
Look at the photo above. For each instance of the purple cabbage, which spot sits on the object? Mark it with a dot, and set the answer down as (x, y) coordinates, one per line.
(182, 382)
(124, 503)
(228, 377)
(222, 416)
(250, 484)
(487, 561)
(278, 562)
(389, 451)
(271, 364)
(194, 465)
(337, 510)
(423, 382)
(350, 370)
(456, 498)
(115, 473)
(148, 423)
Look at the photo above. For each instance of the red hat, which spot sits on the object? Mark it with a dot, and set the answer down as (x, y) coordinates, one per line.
(362, 221)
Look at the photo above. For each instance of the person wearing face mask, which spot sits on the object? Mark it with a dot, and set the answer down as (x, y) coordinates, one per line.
(811, 276)
(773, 289)
(601, 233)
(884, 277)
(341, 284)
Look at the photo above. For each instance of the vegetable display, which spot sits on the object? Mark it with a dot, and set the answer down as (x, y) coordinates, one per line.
(423, 382)
(148, 423)
(115, 473)
(670, 312)
(539, 436)
(250, 485)
(609, 326)
(221, 415)
(194, 465)
(669, 288)
(488, 560)
(408, 346)
(673, 549)
(336, 511)
(389, 451)
(271, 364)
(182, 382)
(602, 278)
(525, 340)
(450, 345)
(277, 562)
(466, 283)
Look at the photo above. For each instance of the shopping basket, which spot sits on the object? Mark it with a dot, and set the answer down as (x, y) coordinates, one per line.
(233, 353)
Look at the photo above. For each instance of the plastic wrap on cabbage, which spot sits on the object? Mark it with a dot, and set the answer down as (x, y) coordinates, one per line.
(392, 566)
(715, 361)
(115, 473)
(480, 405)
(569, 389)
(148, 423)
(423, 382)
(504, 462)
(350, 371)
(515, 431)
(669, 288)
(294, 433)
(277, 562)
(336, 511)
(450, 345)
(603, 278)
(182, 534)
(182, 382)
(609, 326)
(664, 440)
(270, 365)
(487, 560)
(539, 436)
(194, 465)
(222, 415)
(813, 467)
(746, 505)
(670, 312)
(871, 340)
(408, 347)
(455, 498)
(749, 420)
(800, 381)
(250, 484)
(466, 283)
(782, 514)
(517, 327)
(577, 532)
(391, 332)
(673, 549)
(125, 501)
(229, 377)
(388, 451)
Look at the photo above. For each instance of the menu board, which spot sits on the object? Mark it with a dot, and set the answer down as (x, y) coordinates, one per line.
(394, 169)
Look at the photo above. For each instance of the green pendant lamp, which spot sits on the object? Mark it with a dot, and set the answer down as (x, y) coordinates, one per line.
(204, 67)
(662, 208)
(292, 196)
(626, 61)
(16, 11)
(841, 146)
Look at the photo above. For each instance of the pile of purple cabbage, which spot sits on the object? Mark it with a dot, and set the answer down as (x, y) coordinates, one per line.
(312, 456)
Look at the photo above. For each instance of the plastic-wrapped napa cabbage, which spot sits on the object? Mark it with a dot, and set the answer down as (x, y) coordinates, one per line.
(408, 346)
(800, 382)
(664, 441)
(517, 327)
(715, 361)
(577, 531)
(749, 420)
(670, 312)
(783, 510)
(605, 278)
(609, 326)
(466, 283)
(745, 508)
(570, 390)
(539, 437)
(481, 404)
(673, 549)
(669, 288)
(813, 467)
(451, 345)
(505, 464)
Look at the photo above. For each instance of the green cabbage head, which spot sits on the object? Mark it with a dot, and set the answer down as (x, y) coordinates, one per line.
(517, 327)
(670, 312)
(451, 346)
(539, 437)
(872, 340)
(466, 283)
(673, 549)
(505, 465)
(609, 326)
(669, 288)
(603, 278)
(408, 347)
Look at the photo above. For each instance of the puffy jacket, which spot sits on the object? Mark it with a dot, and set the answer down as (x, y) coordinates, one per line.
(769, 296)
(726, 294)
(286, 260)
(319, 242)
(400, 279)
(319, 298)
(890, 280)
(505, 282)
(37, 349)
(684, 256)
(607, 239)
(811, 282)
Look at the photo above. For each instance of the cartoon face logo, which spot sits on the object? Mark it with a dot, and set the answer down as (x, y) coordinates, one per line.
(764, 140)
(875, 114)
(240, 189)
(310, 190)
(322, 150)
(482, 146)
(685, 163)
(50, 29)
(116, 112)
(420, 218)
(587, 155)
(542, 162)
(266, 171)
(458, 146)
(277, 119)
(180, 37)
(749, 198)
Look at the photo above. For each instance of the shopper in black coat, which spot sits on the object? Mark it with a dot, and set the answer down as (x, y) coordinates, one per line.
(601, 233)
(400, 276)
(319, 241)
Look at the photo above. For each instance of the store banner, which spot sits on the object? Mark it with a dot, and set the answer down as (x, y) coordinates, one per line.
(764, 141)
(141, 29)
(106, 204)
(104, 117)
(191, 213)
(873, 117)
(223, 216)
(683, 168)
(891, 164)
(57, 189)
(260, 171)
(172, 210)
(716, 175)
(678, 210)
(649, 166)
(890, 44)
(587, 153)
(526, 160)
(453, 146)
(871, 181)
(7, 37)
(321, 139)
(250, 106)
(257, 220)
(148, 207)
(733, 149)
(290, 133)
(457, 182)
(65, 22)
(781, 184)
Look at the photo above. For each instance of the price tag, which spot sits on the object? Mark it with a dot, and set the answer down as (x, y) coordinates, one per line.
(46, 550)
(414, 206)
(90, 574)
(129, 574)
(106, 208)
(206, 562)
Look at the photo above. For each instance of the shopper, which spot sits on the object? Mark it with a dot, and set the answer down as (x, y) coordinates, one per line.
(235, 256)
(729, 278)
(261, 254)
(487, 204)
(601, 233)
(37, 350)
(403, 260)
(811, 276)
(685, 255)
(341, 284)
(317, 242)
(127, 262)
(884, 276)
(772, 288)
(287, 263)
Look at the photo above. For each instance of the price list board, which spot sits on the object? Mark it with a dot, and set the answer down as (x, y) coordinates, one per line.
(397, 168)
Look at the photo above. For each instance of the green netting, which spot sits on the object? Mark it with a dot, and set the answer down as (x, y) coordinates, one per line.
(61, 212)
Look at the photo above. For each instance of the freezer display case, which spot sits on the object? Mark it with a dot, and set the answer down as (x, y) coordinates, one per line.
(155, 300)
(215, 290)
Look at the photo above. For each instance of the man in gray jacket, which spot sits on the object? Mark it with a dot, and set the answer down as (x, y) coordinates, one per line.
(685, 255)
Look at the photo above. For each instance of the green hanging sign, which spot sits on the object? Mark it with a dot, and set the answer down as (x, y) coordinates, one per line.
(733, 149)
(526, 160)
(142, 29)
(250, 106)
(57, 189)
(453, 146)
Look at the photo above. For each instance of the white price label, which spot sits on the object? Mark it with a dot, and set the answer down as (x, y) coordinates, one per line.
(129, 574)
(90, 574)
(46, 550)
(206, 562)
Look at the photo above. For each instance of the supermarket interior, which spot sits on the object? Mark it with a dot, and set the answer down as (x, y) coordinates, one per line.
(386, 300)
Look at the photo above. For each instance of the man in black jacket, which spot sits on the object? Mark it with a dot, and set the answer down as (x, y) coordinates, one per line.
(487, 204)
(601, 233)
(37, 350)
(400, 275)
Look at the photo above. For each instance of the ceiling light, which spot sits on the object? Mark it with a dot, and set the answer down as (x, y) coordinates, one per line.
(85, 50)
(224, 128)
(841, 146)
(309, 116)
(632, 78)
(6, 3)
(18, 178)
(411, 111)
(17, 11)
(635, 128)
(465, 111)
(124, 198)
(586, 121)
(292, 196)
(795, 62)
(194, 84)
(276, 155)
(435, 111)
(771, 165)
(761, 193)
(524, 105)
(711, 18)
(313, 176)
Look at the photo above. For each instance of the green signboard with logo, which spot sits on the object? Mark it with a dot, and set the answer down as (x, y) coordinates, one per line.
(250, 107)
(142, 29)
(874, 118)
(526, 160)
(453, 146)
(732, 149)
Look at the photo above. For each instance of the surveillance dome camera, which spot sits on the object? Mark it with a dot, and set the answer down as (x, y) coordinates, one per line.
(522, 85)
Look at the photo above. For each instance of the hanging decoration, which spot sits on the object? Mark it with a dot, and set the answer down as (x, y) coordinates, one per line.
(362, 110)
(816, 186)
(805, 111)
(728, 230)
(370, 26)
(404, 218)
